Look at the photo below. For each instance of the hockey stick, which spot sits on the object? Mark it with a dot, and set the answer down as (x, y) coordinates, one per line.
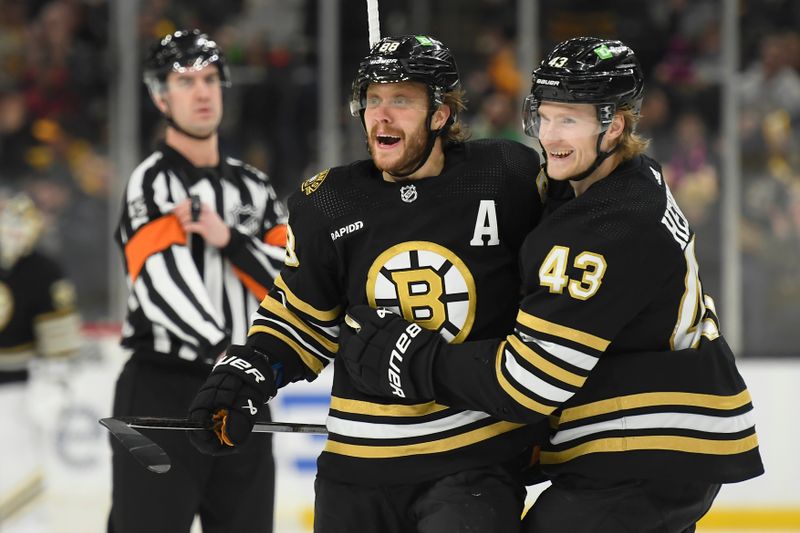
(151, 456)
(373, 22)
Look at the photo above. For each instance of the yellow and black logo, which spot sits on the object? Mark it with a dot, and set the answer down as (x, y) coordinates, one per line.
(426, 283)
(313, 183)
(62, 293)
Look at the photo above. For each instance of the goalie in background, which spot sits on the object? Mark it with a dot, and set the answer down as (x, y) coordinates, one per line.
(202, 239)
(38, 319)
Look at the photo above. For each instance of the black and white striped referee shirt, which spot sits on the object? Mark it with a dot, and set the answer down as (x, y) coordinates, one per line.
(188, 299)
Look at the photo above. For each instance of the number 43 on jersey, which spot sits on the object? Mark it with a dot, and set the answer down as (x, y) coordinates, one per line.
(553, 272)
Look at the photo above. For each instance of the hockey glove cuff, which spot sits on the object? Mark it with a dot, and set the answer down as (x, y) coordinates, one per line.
(229, 402)
(388, 356)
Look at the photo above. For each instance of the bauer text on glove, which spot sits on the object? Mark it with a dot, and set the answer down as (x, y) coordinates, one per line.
(388, 356)
(230, 400)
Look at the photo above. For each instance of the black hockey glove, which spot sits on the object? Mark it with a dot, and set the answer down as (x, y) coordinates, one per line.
(388, 356)
(228, 403)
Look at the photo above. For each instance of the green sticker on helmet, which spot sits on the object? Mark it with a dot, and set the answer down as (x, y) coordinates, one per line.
(603, 52)
(424, 41)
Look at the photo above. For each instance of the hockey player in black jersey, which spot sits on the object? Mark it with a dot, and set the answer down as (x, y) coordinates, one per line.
(614, 340)
(38, 321)
(201, 235)
(430, 227)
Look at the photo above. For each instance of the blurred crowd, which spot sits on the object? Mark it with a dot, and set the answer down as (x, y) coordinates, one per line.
(57, 71)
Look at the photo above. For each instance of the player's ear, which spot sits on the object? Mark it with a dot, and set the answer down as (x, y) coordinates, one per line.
(616, 128)
(160, 101)
(440, 117)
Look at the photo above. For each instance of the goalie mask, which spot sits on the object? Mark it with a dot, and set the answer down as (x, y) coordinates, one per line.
(21, 225)
(586, 70)
(417, 58)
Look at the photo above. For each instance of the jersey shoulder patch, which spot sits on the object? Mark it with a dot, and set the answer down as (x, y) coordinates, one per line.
(326, 196)
(312, 184)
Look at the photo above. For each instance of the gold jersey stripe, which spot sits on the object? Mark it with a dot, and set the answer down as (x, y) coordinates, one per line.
(551, 328)
(523, 400)
(653, 399)
(543, 364)
(437, 446)
(276, 308)
(294, 301)
(658, 443)
(307, 357)
(361, 407)
(20, 348)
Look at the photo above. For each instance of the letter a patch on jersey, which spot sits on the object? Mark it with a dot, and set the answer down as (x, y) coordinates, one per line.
(486, 225)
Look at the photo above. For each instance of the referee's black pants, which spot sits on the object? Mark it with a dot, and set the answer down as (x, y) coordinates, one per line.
(232, 493)
(576, 504)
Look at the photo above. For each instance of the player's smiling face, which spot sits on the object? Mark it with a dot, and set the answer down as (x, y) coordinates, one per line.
(395, 118)
(568, 134)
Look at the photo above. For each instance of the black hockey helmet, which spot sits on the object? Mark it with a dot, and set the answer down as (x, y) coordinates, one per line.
(418, 58)
(587, 70)
(180, 51)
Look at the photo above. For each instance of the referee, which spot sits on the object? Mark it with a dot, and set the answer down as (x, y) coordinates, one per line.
(202, 238)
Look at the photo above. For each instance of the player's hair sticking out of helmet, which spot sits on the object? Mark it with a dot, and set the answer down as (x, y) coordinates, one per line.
(419, 58)
(591, 70)
(631, 143)
(457, 102)
(182, 51)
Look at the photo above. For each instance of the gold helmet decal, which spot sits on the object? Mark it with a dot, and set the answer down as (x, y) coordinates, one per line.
(426, 283)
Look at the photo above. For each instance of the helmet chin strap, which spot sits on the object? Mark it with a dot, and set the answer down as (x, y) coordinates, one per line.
(432, 135)
(598, 160)
(174, 125)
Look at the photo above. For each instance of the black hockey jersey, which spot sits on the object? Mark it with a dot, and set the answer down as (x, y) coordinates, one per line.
(616, 343)
(189, 300)
(443, 252)
(38, 316)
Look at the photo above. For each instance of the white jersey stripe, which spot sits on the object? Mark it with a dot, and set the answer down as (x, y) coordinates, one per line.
(368, 430)
(568, 355)
(661, 421)
(533, 382)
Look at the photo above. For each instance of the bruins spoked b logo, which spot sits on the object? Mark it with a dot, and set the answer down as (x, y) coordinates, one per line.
(427, 284)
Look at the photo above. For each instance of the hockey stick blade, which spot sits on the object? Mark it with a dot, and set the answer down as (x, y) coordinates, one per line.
(148, 453)
(151, 456)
